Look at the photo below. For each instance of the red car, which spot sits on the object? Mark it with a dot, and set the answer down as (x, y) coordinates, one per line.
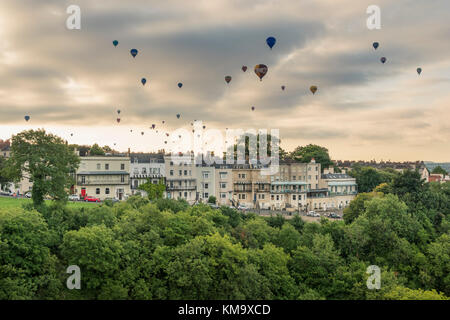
(91, 199)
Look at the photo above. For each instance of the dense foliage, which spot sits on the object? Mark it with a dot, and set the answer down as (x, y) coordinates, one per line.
(46, 160)
(166, 249)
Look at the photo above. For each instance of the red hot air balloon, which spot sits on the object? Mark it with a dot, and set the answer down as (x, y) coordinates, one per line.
(244, 68)
(228, 79)
(118, 120)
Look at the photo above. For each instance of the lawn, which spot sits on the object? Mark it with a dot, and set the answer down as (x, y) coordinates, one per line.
(9, 202)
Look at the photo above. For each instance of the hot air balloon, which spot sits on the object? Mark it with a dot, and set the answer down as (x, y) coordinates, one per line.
(114, 143)
(383, 60)
(253, 109)
(71, 134)
(115, 43)
(27, 118)
(165, 142)
(134, 52)
(313, 89)
(261, 70)
(131, 130)
(143, 81)
(180, 85)
(153, 126)
(419, 70)
(118, 111)
(228, 79)
(178, 116)
(244, 68)
(376, 45)
(204, 127)
(167, 134)
(283, 87)
(142, 133)
(163, 121)
(271, 42)
(118, 120)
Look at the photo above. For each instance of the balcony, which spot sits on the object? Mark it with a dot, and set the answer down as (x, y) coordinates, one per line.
(181, 188)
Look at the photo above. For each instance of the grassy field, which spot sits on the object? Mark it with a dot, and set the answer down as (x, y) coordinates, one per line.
(8, 202)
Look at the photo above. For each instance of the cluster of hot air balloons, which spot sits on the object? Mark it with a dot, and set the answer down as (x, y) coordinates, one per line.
(384, 59)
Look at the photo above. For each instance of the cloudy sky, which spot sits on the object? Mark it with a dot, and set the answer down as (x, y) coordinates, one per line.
(73, 81)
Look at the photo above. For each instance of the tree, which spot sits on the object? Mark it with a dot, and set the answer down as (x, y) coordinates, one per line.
(46, 160)
(27, 268)
(4, 178)
(357, 206)
(367, 178)
(154, 191)
(307, 153)
(96, 150)
(212, 200)
(439, 170)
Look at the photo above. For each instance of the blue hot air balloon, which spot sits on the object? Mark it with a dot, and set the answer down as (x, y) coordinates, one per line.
(419, 71)
(178, 116)
(180, 85)
(133, 52)
(271, 42)
(115, 43)
(27, 118)
(383, 60)
(376, 45)
(144, 81)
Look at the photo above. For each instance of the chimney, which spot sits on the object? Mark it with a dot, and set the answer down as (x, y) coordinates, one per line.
(128, 153)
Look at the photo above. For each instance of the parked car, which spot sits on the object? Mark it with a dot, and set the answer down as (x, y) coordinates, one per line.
(113, 200)
(74, 197)
(213, 205)
(311, 213)
(28, 194)
(241, 207)
(316, 214)
(91, 199)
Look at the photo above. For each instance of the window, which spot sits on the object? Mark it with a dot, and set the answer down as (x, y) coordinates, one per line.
(180, 194)
(185, 194)
(185, 172)
(243, 196)
(294, 197)
(144, 170)
(206, 195)
(122, 178)
(272, 197)
(206, 186)
(223, 175)
(243, 176)
(171, 172)
(106, 166)
(205, 175)
(317, 168)
(122, 166)
(293, 178)
(97, 191)
(278, 197)
(309, 177)
(223, 185)
(223, 195)
(83, 179)
(107, 191)
(99, 166)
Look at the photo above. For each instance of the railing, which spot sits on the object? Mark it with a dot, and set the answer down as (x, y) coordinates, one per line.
(175, 188)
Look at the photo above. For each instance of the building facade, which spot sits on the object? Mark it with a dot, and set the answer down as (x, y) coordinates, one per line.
(103, 177)
(181, 181)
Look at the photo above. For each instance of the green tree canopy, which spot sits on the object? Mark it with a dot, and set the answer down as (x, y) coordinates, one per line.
(46, 160)
(96, 150)
(304, 154)
(439, 170)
